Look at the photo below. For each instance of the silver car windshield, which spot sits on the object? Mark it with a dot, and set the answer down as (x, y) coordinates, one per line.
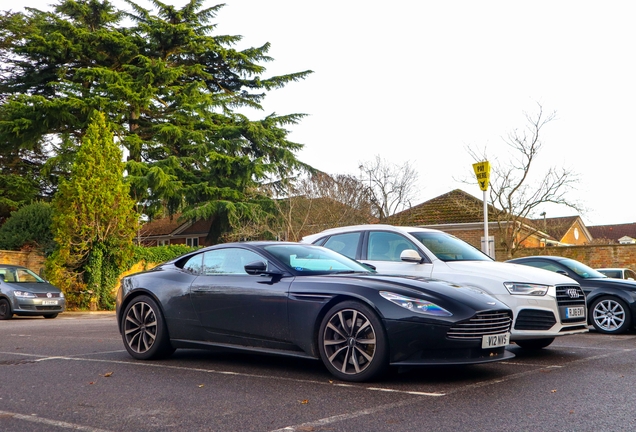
(449, 248)
(19, 275)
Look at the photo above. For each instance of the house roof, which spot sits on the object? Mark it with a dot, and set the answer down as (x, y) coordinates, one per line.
(557, 227)
(455, 206)
(613, 232)
(162, 226)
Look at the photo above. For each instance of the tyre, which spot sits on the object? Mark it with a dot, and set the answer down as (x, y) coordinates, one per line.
(610, 315)
(352, 342)
(5, 309)
(144, 330)
(534, 343)
(50, 316)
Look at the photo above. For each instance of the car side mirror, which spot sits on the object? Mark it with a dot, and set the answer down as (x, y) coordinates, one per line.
(412, 256)
(563, 272)
(255, 268)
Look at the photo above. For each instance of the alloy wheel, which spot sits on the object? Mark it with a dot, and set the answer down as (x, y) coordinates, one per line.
(609, 315)
(140, 327)
(349, 341)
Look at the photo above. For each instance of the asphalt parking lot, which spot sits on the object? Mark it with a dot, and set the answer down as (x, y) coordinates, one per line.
(73, 373)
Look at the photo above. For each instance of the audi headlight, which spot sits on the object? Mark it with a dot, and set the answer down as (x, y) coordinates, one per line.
(24, 294)
(516, 288)
(415, 305)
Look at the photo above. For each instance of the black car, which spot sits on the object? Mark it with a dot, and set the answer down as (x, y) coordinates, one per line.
(611, 302)
(308, 301)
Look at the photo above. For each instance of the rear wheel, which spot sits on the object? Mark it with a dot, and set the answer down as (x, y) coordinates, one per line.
(610, 315)
(352, 342)
(5, 309)
(144, 330)
(534, 343)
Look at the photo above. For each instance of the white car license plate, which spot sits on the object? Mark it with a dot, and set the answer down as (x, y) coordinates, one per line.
(495, 341)
(575, 312)
(49, 302)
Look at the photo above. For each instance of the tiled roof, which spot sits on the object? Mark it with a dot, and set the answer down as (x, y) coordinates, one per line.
(613, 232)
(456, 206)
(557, 227)
(162, 226)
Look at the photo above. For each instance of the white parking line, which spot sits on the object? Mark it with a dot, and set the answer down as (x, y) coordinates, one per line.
(35, 419)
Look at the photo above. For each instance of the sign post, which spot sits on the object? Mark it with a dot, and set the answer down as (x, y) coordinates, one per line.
(482, 172)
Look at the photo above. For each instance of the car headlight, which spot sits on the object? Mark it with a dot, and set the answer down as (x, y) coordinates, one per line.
(24, 294)
(61, 294)
(516, 288)
(415, 305)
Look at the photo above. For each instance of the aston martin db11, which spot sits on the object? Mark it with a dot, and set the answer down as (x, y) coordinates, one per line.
(308, 301)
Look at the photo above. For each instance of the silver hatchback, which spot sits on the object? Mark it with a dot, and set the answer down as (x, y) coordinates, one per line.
(23, 292)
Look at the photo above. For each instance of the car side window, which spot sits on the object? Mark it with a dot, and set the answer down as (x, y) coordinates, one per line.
(228, 261)
(346, 244)
(629, 274)
(387, 246)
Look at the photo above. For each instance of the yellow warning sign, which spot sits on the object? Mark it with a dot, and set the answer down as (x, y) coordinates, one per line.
(482, 171)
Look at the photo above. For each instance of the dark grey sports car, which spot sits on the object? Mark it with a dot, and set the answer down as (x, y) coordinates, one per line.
(308, 301)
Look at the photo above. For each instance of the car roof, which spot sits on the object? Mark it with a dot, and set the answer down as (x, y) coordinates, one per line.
(383, 227)
(11, 266)
(613, 268)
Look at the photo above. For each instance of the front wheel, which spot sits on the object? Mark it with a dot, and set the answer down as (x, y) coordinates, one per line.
(610, 315)
(352, 342)
(144, 330)
(5, 310)
(534, 343)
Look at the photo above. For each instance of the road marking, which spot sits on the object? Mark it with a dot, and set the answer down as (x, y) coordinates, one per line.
(35, 419)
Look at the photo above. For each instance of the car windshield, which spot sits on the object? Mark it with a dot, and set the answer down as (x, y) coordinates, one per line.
(19, 275)
(581, 269)
(449, 248)
(314, 259)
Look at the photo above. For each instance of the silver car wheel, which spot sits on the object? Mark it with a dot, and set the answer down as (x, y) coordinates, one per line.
(140, 327)
(608, 315)
(349, 341)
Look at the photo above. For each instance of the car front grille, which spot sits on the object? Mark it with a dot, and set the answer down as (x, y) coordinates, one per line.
(484, 323)
(45, 295)
(570, 296)
(534, 319)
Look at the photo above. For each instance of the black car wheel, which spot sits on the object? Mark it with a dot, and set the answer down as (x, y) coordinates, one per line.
(610, 315)
(352, 342)
(534, 343)
(5, 310)
(144, 330)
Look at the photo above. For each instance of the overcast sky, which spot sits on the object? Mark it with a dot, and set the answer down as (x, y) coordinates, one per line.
(422, 81)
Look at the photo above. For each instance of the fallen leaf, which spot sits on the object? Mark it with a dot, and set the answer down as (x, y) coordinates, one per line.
(107, 374)
(304, 401)
(571, 411)
(553, 391)
(92, 382)
(200, 385)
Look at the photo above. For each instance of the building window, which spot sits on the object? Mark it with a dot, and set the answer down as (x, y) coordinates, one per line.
(165, 242)
(192, 241)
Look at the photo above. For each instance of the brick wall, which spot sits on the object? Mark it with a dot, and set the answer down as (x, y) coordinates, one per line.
(595, 256)
(31, 260)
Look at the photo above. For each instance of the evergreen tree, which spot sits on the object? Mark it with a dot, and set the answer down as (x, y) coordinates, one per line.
(28, 227)
(170, 87)
(93, 221)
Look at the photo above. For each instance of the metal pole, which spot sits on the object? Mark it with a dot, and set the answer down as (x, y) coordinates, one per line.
(486, 248)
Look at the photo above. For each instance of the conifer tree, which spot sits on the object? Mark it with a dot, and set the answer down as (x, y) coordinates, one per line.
(172, 90)
(93, 221)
